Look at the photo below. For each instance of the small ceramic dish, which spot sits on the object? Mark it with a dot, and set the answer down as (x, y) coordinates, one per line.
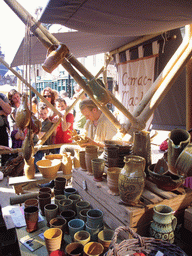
(167, 182)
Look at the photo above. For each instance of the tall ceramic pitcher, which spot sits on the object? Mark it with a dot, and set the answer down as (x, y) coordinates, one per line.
(163, 224)
(178, 139)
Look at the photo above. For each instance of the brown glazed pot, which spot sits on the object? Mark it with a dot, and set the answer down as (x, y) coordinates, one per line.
(44, 198)
(112, 180)
(91, 152)
(82, 160)
(31, 218)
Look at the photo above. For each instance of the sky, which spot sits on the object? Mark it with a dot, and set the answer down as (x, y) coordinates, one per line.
(12, 29)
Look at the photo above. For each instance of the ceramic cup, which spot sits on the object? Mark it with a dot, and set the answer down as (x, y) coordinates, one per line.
(69, 191)
(93, 249)
(74, 249)
(98, 165)
(65, 204)
(82, 236)
(93, 232)
(59, 198)
(75, 225)
(83, 215)
(59, 222)
(82, 205)
(94, 218)
(68, 215)
(75, 198)
(45, 190)
(60, 183)
(31, 202)
(31, 218)
(43, 199)
(82, 160)
(104, 237)
(58, 191)
(53, 237)
(51, 211)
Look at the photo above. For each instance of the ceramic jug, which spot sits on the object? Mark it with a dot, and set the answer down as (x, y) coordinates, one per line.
(131, 179)
(163, 224)
(142, 146)
(67, 163)
(178, 139)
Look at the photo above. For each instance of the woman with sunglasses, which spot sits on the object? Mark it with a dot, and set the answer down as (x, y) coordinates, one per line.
(49, 95)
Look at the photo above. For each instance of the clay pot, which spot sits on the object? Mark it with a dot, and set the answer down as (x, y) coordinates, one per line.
(29, 168)
(55, 55)
(183, 164)
(31, 218)
(51, 211)
(58, 191)
(82, 237)
(67, 163)
(112, 180)
(131, 180)
(178, 139)
(69, 191)
(31, 202)
(93, 232)
(53, 238)
(58, 198)
(75, 198)
(104, 237)
(82, 160)
(45, 190)
(44, 198)
(82, 205)
(93, 249)
(74, 249)
(98, 166)
(90, 153)
(94, 218)
(65, 204)
(75, 225)
(59, 222)
(60, 183)
(83, 215)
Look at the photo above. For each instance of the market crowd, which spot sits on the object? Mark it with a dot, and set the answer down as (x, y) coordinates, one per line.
(85, 118)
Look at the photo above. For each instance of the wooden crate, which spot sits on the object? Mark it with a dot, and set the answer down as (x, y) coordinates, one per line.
(117, 214)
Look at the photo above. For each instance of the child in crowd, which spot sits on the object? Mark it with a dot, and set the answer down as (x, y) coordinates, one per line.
(43, 112)
(62, 131)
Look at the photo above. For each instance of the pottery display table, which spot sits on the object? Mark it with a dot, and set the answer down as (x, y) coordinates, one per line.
(117, 214)
(22, 182)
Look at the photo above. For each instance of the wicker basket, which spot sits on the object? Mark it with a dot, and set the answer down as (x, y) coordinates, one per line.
(138, 244)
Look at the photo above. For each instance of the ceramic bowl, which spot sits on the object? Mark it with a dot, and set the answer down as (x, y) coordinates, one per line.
(166, 182)
(49, 168)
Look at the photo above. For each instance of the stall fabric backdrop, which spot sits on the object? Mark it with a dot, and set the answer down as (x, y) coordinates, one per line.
(134, 79)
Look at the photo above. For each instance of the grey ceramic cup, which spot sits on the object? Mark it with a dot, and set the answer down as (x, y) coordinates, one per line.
(75, 225)
(65, 204)
(51, 211)
(94, 218)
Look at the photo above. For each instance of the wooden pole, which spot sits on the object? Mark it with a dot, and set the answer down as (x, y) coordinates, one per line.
(166, 84)
(189, 95)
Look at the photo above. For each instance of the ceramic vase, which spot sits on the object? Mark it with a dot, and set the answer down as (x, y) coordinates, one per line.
(67, 163)
(163, 224)
(90, 153)
(178, 139)
(29, 168)
(98, 165)
(112, 180)
(131, 180)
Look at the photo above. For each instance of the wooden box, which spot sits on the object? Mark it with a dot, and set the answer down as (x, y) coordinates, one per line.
(117, 214)
(188, 219)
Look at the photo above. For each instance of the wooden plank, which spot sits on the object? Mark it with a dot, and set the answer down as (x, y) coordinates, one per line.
(153, 188)
(151, 197)
(38, 177)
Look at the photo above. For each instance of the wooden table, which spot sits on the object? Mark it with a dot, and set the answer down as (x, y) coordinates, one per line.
(21, 183)
(117, 214)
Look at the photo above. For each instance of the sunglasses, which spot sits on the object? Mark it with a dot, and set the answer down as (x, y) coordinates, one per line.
(47, 96)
